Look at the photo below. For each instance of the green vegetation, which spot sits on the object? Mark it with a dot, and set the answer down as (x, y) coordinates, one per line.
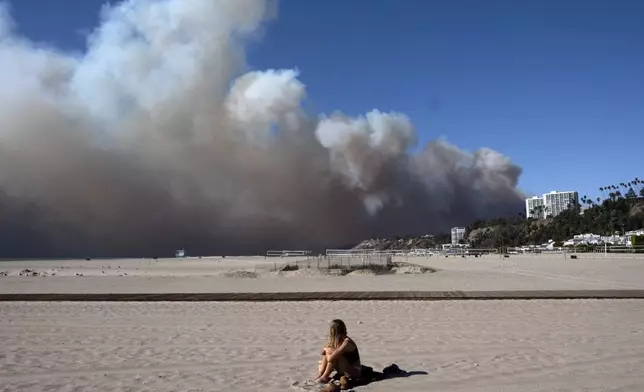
(405, 243)
(620, 209)
(637, 240)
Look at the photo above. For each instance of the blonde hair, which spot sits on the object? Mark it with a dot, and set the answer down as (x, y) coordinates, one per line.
(337, 333)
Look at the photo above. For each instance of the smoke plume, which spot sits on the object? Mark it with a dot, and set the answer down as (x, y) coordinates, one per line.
(158, 137)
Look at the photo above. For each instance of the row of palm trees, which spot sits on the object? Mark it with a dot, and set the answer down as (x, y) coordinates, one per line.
(628, 190)
(631, 189)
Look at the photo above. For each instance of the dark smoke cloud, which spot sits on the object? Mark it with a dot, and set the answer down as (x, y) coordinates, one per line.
(151, 141)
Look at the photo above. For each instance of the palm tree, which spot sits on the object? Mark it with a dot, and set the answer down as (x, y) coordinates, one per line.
(632, 186)
(636, 184)
(609, 190)
(540, 211)
(586, 201)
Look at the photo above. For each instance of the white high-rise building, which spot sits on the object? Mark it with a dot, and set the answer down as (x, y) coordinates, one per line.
(558, 202)
(550, 204)
(533, 207)
(458, 233)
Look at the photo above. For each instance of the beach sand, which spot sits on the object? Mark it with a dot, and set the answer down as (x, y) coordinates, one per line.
(253, 274)
(480, 346)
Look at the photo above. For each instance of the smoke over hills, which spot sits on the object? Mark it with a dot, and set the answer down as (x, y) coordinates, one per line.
(150, 141)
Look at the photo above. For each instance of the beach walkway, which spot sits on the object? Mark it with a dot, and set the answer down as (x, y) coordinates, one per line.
(332, 296)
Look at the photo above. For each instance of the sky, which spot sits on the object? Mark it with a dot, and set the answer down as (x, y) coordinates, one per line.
(556, 85)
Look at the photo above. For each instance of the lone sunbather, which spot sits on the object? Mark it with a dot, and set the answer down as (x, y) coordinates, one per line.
(340, 354)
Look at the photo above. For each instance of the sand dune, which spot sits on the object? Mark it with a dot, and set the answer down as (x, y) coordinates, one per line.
(576, 345)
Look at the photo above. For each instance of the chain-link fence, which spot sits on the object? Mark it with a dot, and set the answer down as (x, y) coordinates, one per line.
(356, 260)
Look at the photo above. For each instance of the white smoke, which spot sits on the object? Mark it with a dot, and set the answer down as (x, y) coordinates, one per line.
(158, 137)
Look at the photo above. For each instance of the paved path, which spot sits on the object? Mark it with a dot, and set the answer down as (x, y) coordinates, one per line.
(335, 296)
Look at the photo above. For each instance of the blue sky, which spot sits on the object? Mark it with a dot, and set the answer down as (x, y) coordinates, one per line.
(556, 85)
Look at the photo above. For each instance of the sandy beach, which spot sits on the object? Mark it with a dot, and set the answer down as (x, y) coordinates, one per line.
(572, 345)
(481, 346)
(254, 274)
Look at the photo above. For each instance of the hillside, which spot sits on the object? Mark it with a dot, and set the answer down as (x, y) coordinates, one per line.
(404, 243)
(619, 215)
(616, 212)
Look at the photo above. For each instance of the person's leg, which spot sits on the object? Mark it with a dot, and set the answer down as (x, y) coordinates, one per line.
(328, 368)
(321, 366)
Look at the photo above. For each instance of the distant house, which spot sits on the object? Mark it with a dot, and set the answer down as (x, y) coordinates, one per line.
(594, 239)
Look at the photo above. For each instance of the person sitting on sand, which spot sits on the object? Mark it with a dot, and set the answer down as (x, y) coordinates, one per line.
(340, 354)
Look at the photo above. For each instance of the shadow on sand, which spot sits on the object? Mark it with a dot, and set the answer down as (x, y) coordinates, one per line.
(369, 376)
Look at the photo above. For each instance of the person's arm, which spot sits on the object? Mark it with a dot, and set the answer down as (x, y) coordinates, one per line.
(340, 350)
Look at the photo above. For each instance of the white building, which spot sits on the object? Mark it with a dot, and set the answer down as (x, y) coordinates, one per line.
(532, 206)
(558, 202)
(550, 204)
(458, 233)
(595, 239)
(584, 239)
